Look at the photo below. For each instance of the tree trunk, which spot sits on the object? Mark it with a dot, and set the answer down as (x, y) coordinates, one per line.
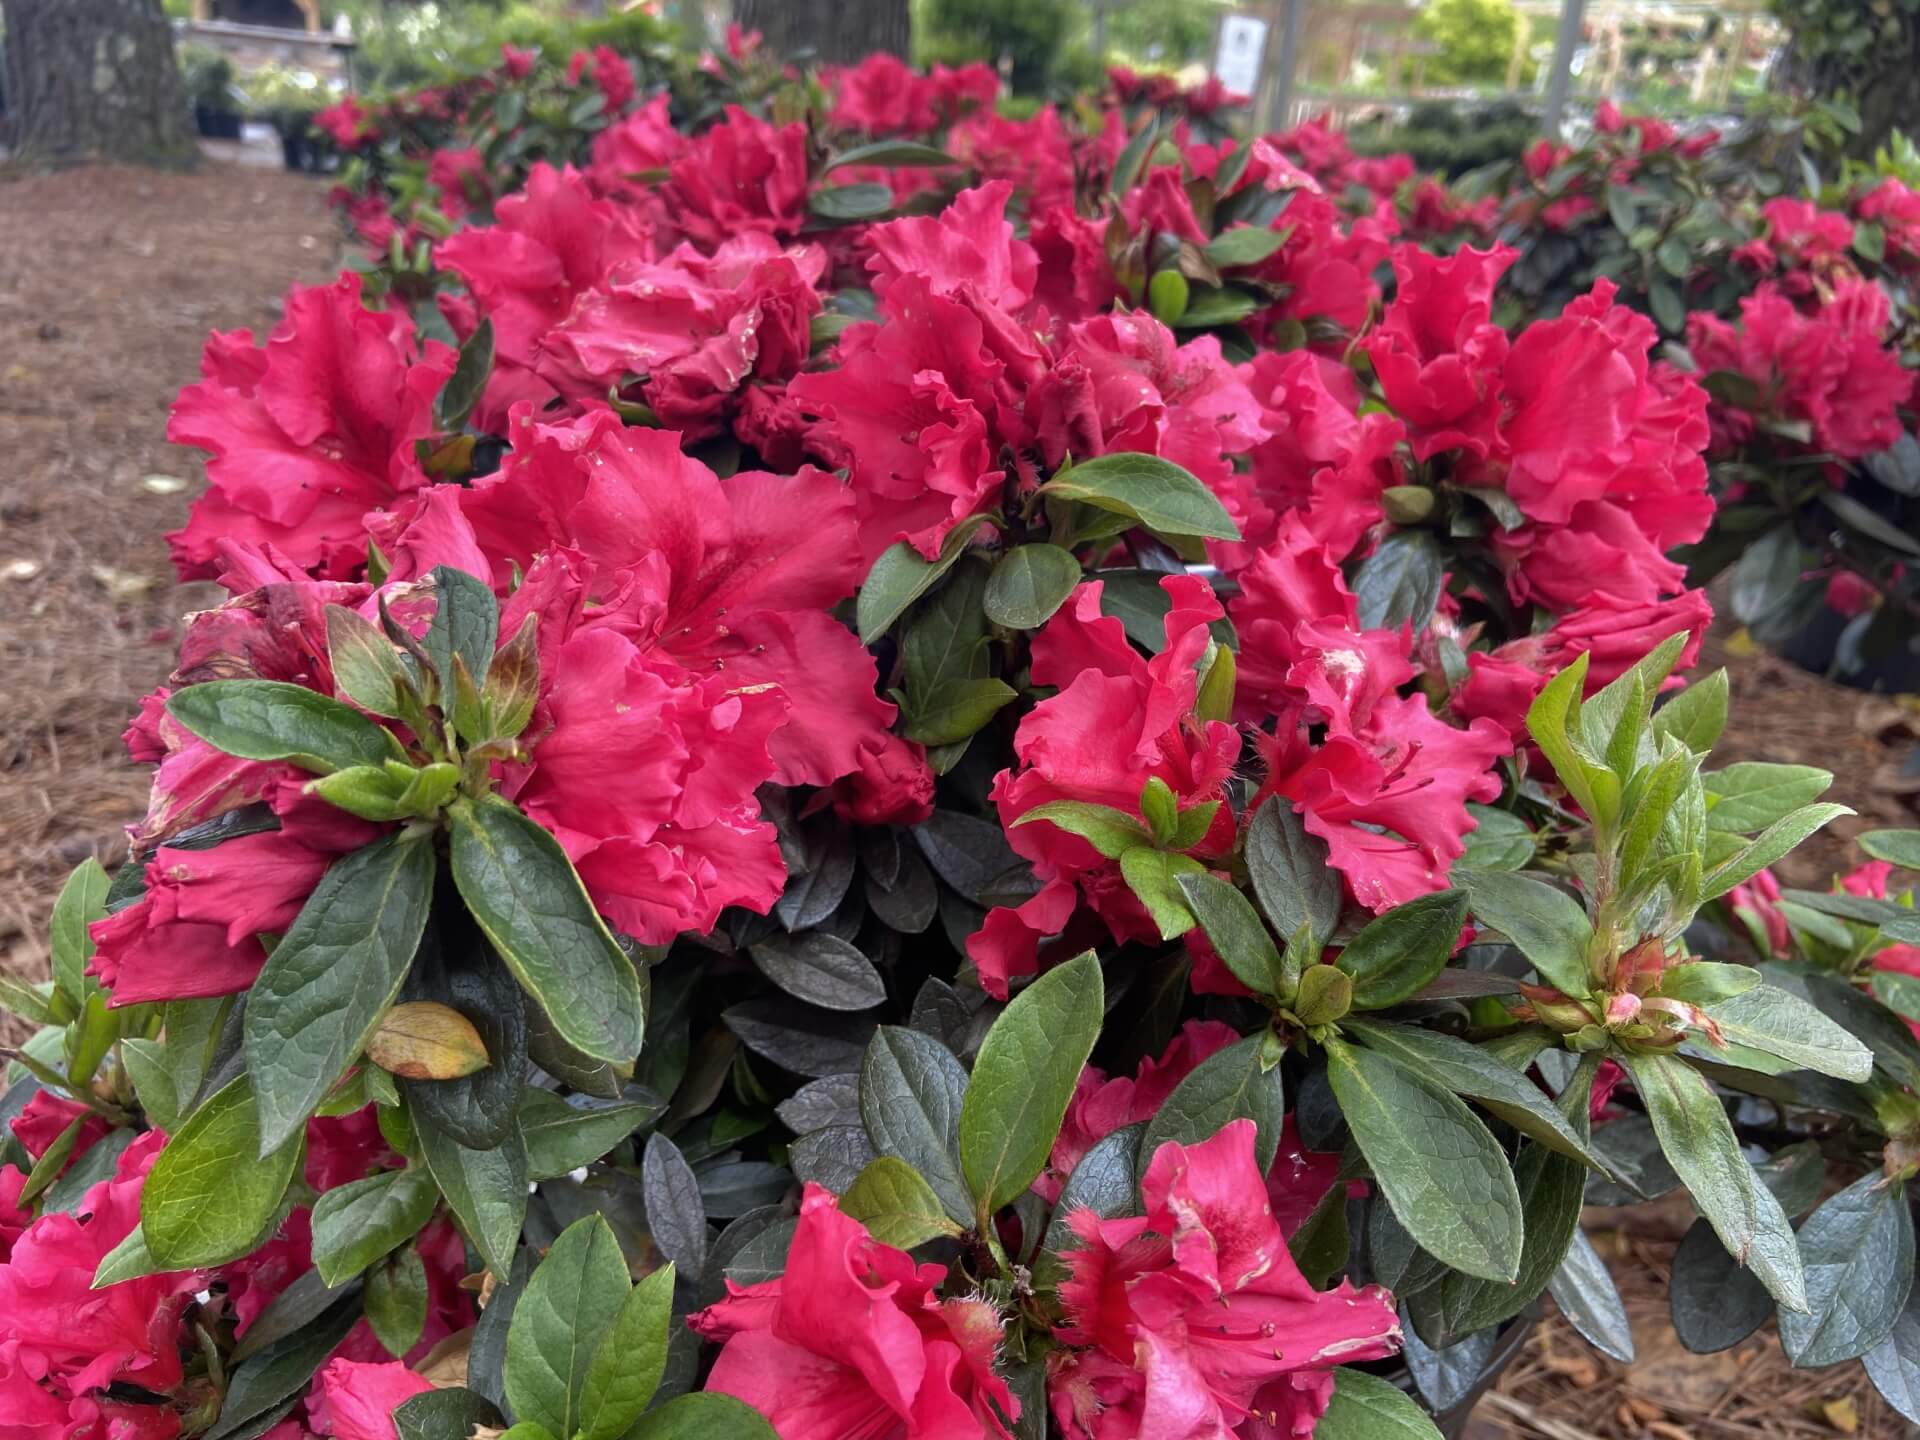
(93, 80)
(1878, 79)
(841, 31)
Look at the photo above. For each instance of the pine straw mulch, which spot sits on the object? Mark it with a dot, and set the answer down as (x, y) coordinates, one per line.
(1560, 1388)
(110, 279)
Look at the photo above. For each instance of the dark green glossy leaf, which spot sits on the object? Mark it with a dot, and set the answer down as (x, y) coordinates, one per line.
(357, 1223)
(271, 720)
(1396, 954)
(331, 977)
(1858, 1252)
(519, 885)
(1237, 1083)
(1023, 1078)
(911, 1093)
(1447, 1179)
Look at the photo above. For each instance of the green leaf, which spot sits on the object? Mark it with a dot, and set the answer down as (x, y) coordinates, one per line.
(1899, 993)
(29, 1002)
(560, 1137)
(357, 1223)
(485, 1189)
(1667, 306)
(1243, 245)
(213, 1194)
(1322, 1245)
(891, 153)
(1547, 925)
(449, 1414)
(1237, 1083)
(1896, 847)
(269, 720)
(1771, 1020)
(1700, 1144)
(1583, 1288)
(1400, 582)
(1023, 1078)
(1705, 982)
(82, 900)
(466, 623)
(1106, 1181)
(1770, 845)
(129, 1260)
(366, 667)
(1468, 1070)
(1325, 995)
(522, 889)
(571, 1305)
(1112, 832)
(911, 1094)
(1403, 949)
(1029, 584)
(1154, 877)
(1365, 1407)
(1459, 1305)
(1444, 1175)
(1160, 809)
(703, 1415)
(1292, 876)
(331, 977)
(1858, 1252)
(1235, 931)
(901, 576)
(1157, 493)
(1696, 715)
(1870, 241)
(1894, 1364)
(1133, 158)
(894, 1201)
(844, 204)
(395, 1299)
(627, 1366)
(279, 1371)
(954, 710)
(469, 379)
(1216, 307)
(676, 1210)
(1752, 794)
(52, 1161)
(821, 969)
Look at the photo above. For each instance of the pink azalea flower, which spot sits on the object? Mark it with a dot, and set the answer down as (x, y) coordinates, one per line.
(1118, 720)
(309, 432)
(1193, 1318)
(851, 1340)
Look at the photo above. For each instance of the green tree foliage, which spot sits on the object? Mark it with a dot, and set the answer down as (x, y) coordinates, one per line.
(1475, 39)
(1029, 34)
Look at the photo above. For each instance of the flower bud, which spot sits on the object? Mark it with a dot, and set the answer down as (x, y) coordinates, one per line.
(1167, 296)
(1407, 504)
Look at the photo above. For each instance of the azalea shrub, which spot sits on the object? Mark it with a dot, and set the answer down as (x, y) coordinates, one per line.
(874, 770)
(1782, 276)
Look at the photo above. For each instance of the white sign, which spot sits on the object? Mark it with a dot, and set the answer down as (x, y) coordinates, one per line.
(1243, 39)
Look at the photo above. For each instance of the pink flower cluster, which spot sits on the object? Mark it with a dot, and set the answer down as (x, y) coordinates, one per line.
(75, 1362)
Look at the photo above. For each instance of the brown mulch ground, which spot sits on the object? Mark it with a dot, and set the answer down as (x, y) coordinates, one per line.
(109, 279)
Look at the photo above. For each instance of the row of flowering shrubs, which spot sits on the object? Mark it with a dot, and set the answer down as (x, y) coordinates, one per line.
(874, 770)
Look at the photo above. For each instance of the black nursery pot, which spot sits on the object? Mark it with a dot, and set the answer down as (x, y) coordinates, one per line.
(216, 124)
(1820, 645)
(1452, 1421)
(294, 150)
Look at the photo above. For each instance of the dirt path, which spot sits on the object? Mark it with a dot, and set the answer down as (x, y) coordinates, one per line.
(109, 282)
